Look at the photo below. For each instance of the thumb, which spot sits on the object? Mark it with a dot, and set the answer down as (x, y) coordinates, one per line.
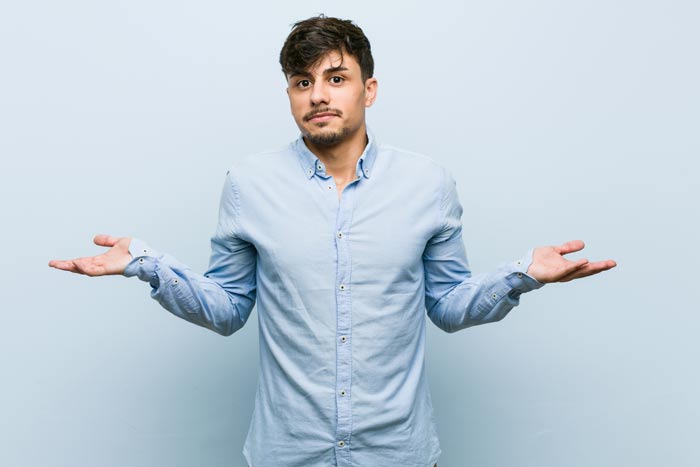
(570, 247)
(105, 240)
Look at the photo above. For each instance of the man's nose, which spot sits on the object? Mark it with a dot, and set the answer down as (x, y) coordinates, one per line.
(319, 93)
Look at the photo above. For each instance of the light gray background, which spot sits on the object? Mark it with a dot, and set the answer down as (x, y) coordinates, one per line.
(559, 120)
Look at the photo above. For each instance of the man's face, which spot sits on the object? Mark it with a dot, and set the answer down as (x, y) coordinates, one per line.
(328, 101)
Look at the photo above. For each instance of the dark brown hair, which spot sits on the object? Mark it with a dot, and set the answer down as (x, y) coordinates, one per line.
(311, 39)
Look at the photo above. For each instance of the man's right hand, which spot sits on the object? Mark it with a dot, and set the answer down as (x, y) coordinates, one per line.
(111, 262)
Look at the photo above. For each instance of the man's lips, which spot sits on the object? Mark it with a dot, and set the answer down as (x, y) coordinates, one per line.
(322, 117)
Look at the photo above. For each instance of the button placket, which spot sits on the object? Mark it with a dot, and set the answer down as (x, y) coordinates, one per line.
(343, 295)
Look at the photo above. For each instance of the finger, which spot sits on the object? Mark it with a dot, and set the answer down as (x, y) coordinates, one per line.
(87, 266)
(105, 240)
(570, 247)
(589, 270)
(64, 265)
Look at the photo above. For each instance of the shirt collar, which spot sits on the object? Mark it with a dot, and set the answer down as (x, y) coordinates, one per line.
(311, 165)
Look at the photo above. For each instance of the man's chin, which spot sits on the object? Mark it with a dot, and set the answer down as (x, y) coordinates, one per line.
(328, 137)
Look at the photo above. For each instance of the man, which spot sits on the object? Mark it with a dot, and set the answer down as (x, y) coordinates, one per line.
(344, 244)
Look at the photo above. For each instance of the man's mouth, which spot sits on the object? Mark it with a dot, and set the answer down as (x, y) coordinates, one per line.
(321, 117)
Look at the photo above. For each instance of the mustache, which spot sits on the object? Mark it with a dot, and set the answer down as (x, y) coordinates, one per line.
(311, 114)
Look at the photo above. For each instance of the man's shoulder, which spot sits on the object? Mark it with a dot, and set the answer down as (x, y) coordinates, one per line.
(263, 161)
(405, 160)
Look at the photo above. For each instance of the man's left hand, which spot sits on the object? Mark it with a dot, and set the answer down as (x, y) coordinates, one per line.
(549, 264)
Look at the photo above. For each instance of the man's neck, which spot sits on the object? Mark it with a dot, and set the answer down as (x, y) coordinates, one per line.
(341, 159)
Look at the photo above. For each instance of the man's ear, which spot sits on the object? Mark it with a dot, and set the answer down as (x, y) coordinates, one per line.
(370, 91)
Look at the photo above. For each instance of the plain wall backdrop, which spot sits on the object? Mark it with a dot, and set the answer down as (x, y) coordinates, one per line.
(559, 120)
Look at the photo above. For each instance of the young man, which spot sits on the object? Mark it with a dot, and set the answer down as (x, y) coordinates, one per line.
(345, 244)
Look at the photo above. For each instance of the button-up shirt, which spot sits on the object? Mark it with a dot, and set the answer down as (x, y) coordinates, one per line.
(342, 287)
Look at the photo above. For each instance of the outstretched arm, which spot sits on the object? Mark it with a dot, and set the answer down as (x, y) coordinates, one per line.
(221, 299)
(455, 299)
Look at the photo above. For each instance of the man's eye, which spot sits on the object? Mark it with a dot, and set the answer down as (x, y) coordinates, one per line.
(336, 80)
(304, 83)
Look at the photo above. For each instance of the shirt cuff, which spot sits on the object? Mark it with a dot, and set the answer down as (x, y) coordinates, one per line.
(519, 280)
(144, 263)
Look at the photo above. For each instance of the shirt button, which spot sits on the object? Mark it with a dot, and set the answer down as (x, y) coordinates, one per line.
(520, 275)
(518, 263)
(343, 339)
(176, 282)
(340, 234)
(141, 260)
(342, 287)
(342, 393)
(330, 187)
(319, 167)
(311, 171)
(494, 296)
(341, 443)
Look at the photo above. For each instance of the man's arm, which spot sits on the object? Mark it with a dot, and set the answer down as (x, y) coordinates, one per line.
(455, 299)
(221, 299)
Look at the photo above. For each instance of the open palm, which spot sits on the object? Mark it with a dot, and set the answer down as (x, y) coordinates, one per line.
(113, 261)
(549, 264)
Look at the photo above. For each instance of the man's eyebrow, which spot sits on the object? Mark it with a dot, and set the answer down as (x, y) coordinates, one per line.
(334, 69)
(327, 71)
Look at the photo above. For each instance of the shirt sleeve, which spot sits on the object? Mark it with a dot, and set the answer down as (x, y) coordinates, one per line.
(222, 298)
(455, 299)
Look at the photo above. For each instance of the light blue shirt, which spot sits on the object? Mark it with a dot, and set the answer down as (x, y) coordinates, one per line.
(342, 288)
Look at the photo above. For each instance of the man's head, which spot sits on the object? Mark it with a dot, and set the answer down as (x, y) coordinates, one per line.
(329, 69)
(315, 37)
